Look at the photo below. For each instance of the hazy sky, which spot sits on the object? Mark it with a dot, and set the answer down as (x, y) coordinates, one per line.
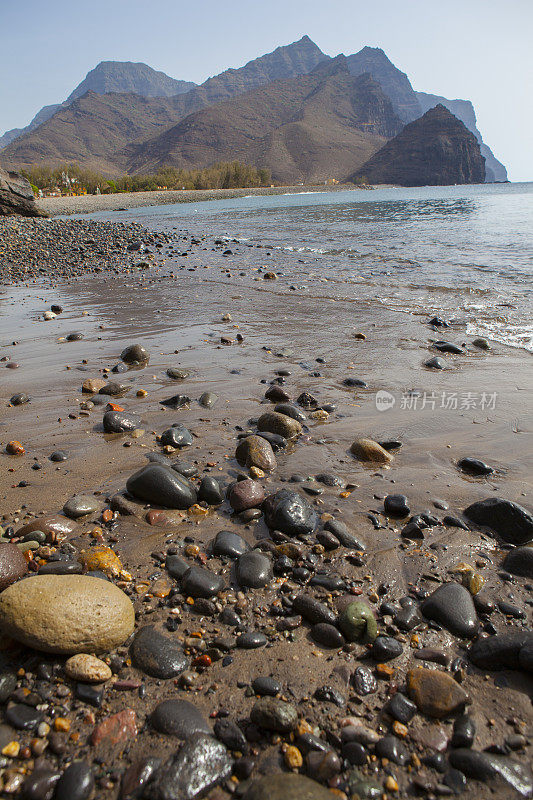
(479, 50)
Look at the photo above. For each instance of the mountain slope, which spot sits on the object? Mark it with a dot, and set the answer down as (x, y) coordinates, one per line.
(394, 83)
(126, 77)
(308, 128)
(464, 110)
(435, 150)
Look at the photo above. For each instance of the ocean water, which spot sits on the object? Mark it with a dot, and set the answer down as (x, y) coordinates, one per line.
(464, 252)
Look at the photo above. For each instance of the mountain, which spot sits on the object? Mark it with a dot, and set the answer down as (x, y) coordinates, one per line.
(394, 83)
(106, 77)
(435, 150)
(69, 134)
(309, 128)
(464, 110)
(126, 77)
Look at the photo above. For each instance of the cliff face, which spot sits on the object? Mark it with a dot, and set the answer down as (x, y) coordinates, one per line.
(394, 83)
(435, 150)
(464, 110)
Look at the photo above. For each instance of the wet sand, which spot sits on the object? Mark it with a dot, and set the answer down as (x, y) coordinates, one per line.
(175, 310)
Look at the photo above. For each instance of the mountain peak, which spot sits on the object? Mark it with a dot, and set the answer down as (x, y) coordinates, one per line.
(129, 77)
(333, 66)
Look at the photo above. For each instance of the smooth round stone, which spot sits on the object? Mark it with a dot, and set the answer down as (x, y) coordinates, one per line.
(396, 505)
(266, 686)
(474, 466)
(274, 715)
(276, 442)
(385, 648)
(157, 654)
(198, 582)
(114, 389)
(392, 748)
(452, 606)
(82, 504)
(435, 363)
(254, 570)
(40, 784)
(229, 545)
(327, 635)
(210, 491)
(19, 399)
(51, 526)
(519, 561)
(369, 451)
(246, 494)
(229, 733)
(177, 374)
(341, 532)
(23, 717)
(76, 783)
(61, 568)
(75, 336)
(135, 354)
(121, 421)
(57, 456)
(176, 567)
(187, 470)
(208, 399)
(256, 451)
(177, 436)
(286, 786)
(201, 764)
(162, 486)
(276, 394)
(289, 513)
(501, 651)
(281, 424)
(251, 640)
(448, 347)
(313, 610)
(178, 718)
(464, 731)
(290, 411)
(66, 614)
(87, 669)
(356, 754)
(513, 523)
(13, 565)
(176, 401)
(358, 624)
(8, 684)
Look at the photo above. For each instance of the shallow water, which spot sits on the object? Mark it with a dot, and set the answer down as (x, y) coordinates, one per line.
(464, 251)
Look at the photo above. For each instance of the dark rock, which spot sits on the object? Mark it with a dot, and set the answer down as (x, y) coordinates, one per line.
(286, 786)
(355, 382)
(160, 485)
(501, 651)
(229, 545)
(13, 565)
(81, 504)
(392, 748)
(251, 640)
(401, 708)
(289, 513)
(487, 766)
(121, 421)
(396, 505)
(200, 765)
(23, 717)
(290, 411)
(265, 686)
(276, 442)
(177, 436)
(19, 399)
(113, 389)
(435, 363)
(40, 784)
(16, 196)
(58, 456)
(157, 654)
(210, 491)
(87, 693)
(451, 605)
(448, 347)
(464, 731)
(327, 635)
(281, 424)
(254, 570)
(176, 401)
(355, 753)
(518, 561)
(274, 715)
(276, 394)
(177, 374)
(230, 735)
(256, 451)
(8, 684)
(198, 582)
(313, 610)
(137, 776)
(135, 354)
(364, 681)
(207, 399)
(385, 648)
(176, 567)
(178, 718)
(76, 783)
(510, 521)
(474, 466)
(341, 532)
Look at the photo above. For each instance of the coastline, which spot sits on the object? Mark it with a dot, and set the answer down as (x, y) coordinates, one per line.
(89, 204)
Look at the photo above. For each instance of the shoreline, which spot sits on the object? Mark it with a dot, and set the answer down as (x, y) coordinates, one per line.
(89, 204)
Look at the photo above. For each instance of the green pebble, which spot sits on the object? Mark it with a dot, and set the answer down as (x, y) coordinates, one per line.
(358, 624)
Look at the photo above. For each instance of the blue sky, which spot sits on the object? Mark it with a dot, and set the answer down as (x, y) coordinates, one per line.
(474, 49)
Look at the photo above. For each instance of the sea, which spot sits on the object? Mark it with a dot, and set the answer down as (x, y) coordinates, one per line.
(462, 252)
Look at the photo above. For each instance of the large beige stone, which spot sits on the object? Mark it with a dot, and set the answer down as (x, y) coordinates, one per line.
(66, 614)
(254, 451)
(371, 451)
(273, 422)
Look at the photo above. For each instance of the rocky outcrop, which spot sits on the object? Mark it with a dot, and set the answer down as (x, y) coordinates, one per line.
(393, 81)
(464, 110)
(435, 150)
(16, 196)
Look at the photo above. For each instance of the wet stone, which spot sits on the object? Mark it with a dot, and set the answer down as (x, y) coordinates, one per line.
(160, 485)
(290, 411)
(341, 532)
(401, 708)
(191, 773)
(327, 635)
(501, 651)
(257, 451)
(40, 784)
(229, 545)
(251, 640)
(286, 786)
(435, 363)
(474, 466)
(385, 648)
(451, 605)
(178, 718)
(178, 436)
(281, 424)
(13, 565)
(157, 654)
(113, 389)
(19, 399)
(134, 354)
(274, 715)
(176, 401)
(364, 681)
(210, 491)
(76, 783)
(487, 766)
(434, 692)
(370, 451)
(246, 494)
(58, 456)
(208, 399)
(121, 421)
(290, 513)
(396, 505)
(358, 624)
(23, 717)
(513, 523)
(313, 610)
(254, 569)
(177, 374)
(198, 582)
(80, 505)
(464, 731)
(229, 733)
(518, 561)
(392, 748)
(176, 567)
(266, 686)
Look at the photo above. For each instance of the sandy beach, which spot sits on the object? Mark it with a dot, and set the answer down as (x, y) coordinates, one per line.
(232, 646)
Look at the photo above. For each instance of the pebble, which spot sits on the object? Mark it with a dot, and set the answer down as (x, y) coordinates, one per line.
(474, 466)
(251, 640)
(87, 668)
(192, 772)
(80, 505)
(162, 486)
(198, 582)
(518, 561)
(313, 610)
(488, 766)
(370, 451)
(435, 693)
(396, 505)
(513, 523)
(229, 733)
(358, 624)
(135, 354)
(13, 565)
(464, 731)
(66, 614)
(289, 513)
(254, 570)
(280, 424)
(229, 545)
(266, 686)
(385, 648)
(178, 718)
(256, 451)
(401, 708)
(246, 494)
(327, 635)
(208, 399)
(274, 715)
(451, 605)
(121, 422)
(178, 436)
(76, 783)
(157, 654)
(210, 491)
(286, 786)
